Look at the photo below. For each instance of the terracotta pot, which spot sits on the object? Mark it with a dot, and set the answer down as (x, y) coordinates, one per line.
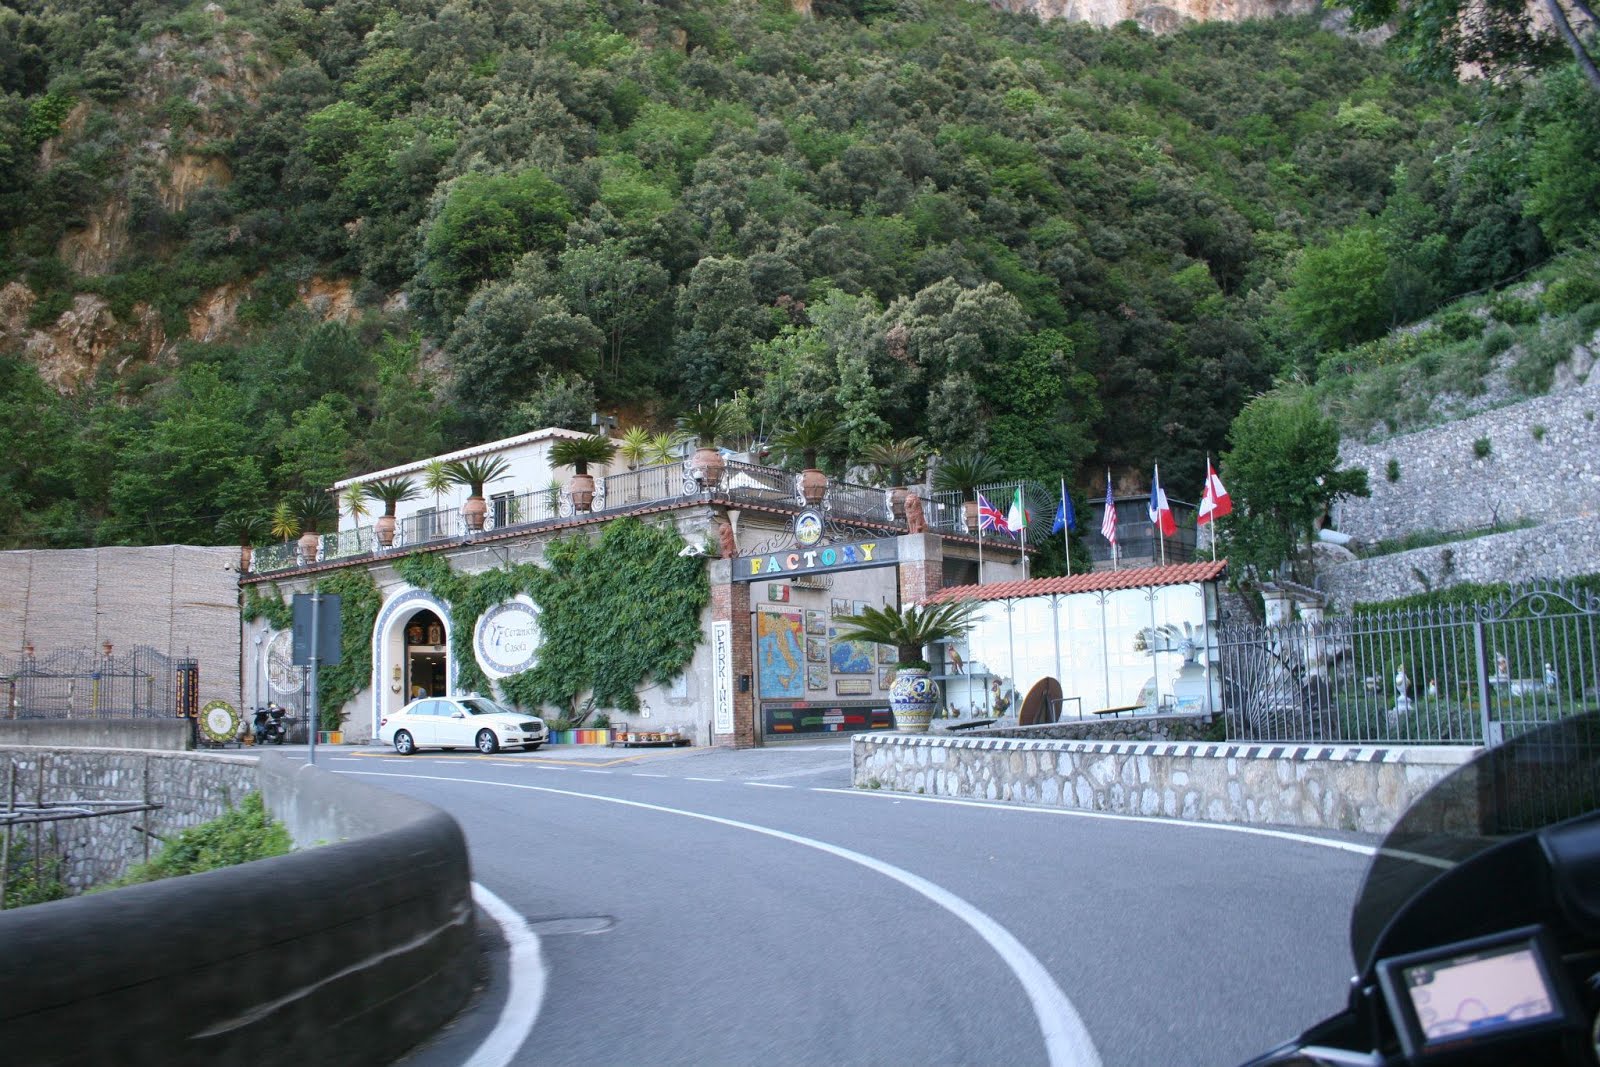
(383, 529)
(581, 490)
(970, 511)
(474, 511)
(246, 554)
(708, 465)
(897, 502)
(813, 486)
(310, 541)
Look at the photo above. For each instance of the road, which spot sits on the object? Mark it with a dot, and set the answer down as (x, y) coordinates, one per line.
(717, 907)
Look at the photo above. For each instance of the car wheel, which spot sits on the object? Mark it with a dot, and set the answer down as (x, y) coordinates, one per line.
(534, 747)
(487, 743)
(403, 743)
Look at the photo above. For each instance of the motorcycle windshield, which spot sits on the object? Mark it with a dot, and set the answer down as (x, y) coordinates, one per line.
(1539, 778)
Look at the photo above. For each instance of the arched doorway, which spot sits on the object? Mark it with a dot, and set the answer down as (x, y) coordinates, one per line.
(410, 650)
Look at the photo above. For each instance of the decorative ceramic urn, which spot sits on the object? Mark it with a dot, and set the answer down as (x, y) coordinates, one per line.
(912, 697)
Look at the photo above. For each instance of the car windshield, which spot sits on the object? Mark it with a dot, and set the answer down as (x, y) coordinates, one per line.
(1538, 779)
(479, 706)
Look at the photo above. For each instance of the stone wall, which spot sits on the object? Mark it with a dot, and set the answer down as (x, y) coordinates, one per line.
(179, 600)
(1335, 787)
(190, 787)
(1543, 464)
(1131, 728)
(1563, 549)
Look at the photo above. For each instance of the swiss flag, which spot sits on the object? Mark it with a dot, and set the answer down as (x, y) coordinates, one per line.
(1214, 503)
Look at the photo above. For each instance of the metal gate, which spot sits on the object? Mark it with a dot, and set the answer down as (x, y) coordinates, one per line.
(85, 684)
(1457, 674)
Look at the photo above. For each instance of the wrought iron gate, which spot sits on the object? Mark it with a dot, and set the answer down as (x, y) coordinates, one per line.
(84, 684)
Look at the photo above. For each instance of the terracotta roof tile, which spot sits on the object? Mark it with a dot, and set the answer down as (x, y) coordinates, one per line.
(1093, 582)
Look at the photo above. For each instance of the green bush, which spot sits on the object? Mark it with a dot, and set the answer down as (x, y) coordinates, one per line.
(242, 834)
(1514, 311)
(1497, 341)
(1566, 295)
(1458, 324)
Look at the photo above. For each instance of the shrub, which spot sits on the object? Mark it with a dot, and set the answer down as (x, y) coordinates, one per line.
(1497, 341)
(1392, 470)
(1566, 295)
(240, 835)
(1458, 325)
(1482, 447)
(1514, 311)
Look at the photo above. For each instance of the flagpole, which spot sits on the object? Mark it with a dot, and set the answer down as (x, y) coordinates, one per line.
(1066, 535)
(1114, 564)
(979, 532)
(1213, 522)
(1160, 533)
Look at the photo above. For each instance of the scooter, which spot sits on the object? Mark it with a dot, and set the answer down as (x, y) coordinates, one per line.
(268, 725)
(1477, 930)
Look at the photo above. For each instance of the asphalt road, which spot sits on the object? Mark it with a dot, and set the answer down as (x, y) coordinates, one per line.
(713, 907)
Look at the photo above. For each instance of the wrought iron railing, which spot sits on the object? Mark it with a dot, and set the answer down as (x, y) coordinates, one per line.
(1460, 674)
(82, 683)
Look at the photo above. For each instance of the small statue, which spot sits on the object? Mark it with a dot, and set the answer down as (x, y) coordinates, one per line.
(957, 664)
(727, 544)
(1549, 676)
(1402, 684)
(1502, 669)
(1433, 688)
(916, 522)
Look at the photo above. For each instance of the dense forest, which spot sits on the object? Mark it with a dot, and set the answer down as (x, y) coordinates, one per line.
(322, 237)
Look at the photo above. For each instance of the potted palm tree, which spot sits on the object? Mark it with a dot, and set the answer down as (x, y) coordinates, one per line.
(913, 695)
(963, 472)
(312, 510)
(475, 473)
(244, 531)
(709, 425)
(390, 492)
(578, 453)
(800, 442)
(893, 459)
(634, 447)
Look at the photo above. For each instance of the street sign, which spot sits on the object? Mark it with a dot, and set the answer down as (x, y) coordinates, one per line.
(326, 629)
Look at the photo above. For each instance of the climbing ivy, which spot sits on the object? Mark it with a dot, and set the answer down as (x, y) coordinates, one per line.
(614, 612)
(359, 602)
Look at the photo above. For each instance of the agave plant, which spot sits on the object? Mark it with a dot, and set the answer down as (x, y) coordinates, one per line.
(663, 447)
(355, 502)
(283, 525)
(634, 447)
(909, 629)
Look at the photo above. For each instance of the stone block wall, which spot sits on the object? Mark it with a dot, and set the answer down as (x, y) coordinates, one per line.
(1564, 549)
(1130, 728)
(1335, 787)
(1543, 464)
(192, 788)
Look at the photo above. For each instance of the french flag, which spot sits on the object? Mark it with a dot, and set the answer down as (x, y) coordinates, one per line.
(1160, 510)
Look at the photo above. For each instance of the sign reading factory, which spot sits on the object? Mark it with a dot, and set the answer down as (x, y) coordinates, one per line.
(804, 560)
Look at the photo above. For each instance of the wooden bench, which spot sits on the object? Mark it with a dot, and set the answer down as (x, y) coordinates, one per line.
(1116, 713)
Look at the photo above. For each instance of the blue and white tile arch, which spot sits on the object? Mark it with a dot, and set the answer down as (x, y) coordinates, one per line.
(389, 649)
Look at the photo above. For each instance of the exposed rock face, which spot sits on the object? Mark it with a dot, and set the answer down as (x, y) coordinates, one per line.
(84, 338)
(1158, 18)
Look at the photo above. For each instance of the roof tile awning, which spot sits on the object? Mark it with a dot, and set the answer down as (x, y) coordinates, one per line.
(1093, 582)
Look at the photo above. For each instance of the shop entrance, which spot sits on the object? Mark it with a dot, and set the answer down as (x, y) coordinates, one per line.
(426, 671)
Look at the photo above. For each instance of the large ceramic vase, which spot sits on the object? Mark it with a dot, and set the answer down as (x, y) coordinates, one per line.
(581, 490)
(310, 542)
(912, 698)
(383, 529)
(707, 466)
(813, 487)
(474, 512)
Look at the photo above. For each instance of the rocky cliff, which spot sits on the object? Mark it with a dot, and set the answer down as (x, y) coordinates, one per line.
(1158, 18)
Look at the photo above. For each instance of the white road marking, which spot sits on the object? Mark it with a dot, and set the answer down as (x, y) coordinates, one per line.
(524, 998)
(796, 774)
(702, 779)
(769, 785)
(1066, 1039)
(642, 774)
(1229, 828)
(587, 771)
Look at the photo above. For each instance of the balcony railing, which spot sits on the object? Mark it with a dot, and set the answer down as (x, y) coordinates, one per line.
(741, 484)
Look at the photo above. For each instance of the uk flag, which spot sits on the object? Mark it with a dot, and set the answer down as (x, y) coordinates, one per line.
(991, 517)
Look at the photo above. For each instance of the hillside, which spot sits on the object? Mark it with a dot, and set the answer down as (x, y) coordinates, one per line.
(255, 246)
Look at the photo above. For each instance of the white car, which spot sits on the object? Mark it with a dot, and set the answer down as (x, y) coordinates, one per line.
(461, 722)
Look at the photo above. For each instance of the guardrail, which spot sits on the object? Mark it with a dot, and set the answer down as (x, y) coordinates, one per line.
(347, 953)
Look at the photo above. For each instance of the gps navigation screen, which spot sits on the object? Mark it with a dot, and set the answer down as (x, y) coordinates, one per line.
(1480, 992)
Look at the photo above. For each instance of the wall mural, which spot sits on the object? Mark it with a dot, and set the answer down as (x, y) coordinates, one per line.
(780, 654)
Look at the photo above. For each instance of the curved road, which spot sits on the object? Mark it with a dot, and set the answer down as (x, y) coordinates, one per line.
(713, 907)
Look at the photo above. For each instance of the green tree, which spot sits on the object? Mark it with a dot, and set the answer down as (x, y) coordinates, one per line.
(1282, 474)
(616, 291)
(1338, 293)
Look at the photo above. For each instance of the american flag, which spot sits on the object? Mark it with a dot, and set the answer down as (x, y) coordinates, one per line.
(991, 517)
(1108, 524)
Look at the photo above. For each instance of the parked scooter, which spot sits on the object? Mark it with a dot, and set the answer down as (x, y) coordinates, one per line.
(1477, 931)
(269, 726)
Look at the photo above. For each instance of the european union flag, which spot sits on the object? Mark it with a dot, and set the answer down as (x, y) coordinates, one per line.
(1064, 517)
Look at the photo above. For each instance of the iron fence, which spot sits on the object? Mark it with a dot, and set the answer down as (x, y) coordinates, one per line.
(83, 684)
(1458, 674)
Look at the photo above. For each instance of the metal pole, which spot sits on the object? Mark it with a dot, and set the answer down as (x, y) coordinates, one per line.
(1066, 534)
(1480, 653)
(979, 532)
(313, 715)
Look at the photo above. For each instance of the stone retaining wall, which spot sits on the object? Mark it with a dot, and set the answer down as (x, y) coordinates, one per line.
(1128, 728)
(1337, 787)
(1543, 464)
(191, 789)
(1565, 549)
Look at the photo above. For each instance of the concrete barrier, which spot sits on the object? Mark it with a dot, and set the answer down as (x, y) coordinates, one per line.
(346, 953)
(164, 735)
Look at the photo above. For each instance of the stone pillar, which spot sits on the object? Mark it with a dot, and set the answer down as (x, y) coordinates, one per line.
(921, 567)
(1278, 605)
(730, 603)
